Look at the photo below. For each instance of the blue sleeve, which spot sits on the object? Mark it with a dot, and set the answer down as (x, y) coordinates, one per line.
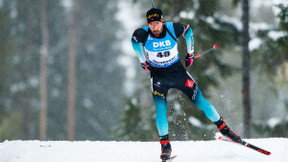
(138, 49)
(189, 40)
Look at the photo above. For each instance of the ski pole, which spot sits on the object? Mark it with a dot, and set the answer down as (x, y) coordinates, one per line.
(153, 4)
(209, 50)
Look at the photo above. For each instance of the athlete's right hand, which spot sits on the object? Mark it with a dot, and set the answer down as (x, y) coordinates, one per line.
(189, 59)
(146, 66)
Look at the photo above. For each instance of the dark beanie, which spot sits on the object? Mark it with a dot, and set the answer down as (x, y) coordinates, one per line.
(154, 14)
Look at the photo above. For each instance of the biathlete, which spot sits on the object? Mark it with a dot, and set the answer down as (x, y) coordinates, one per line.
(159, 41)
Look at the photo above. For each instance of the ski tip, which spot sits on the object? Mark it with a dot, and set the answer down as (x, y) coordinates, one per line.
(264, 152)
(215, 46)
(269, 153)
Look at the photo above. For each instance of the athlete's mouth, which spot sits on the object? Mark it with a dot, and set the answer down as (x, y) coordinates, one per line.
(157, 32)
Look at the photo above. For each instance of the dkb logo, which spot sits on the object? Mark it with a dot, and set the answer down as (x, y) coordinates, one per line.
(161, 44)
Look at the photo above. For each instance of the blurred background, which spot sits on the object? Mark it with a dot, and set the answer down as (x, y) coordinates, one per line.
(68, 70)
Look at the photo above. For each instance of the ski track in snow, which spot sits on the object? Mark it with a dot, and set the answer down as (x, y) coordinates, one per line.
(112, 151)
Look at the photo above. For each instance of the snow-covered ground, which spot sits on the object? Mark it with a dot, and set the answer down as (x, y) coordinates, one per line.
(112, 151)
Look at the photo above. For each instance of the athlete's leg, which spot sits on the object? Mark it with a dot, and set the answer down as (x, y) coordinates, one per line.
(161, 111)
(212, 114)
(159, 91)
(190, 88)
(194, 93)
(206, 107)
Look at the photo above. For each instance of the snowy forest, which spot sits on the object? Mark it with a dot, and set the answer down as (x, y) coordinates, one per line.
(68, 70)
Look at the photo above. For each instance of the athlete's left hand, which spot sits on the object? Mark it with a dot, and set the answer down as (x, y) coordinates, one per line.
(146, 66)
(189, 59)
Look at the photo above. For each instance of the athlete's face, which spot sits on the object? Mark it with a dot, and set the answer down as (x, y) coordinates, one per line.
(156, 27)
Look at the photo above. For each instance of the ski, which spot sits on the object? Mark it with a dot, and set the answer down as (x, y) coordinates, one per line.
(170, 159)
(246, 144)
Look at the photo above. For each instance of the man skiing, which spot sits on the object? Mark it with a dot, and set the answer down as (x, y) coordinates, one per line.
(159, 40)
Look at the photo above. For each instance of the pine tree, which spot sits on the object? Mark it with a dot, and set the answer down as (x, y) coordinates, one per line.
(246, 69)
(272, 55)
(98, 77)
(43, 71)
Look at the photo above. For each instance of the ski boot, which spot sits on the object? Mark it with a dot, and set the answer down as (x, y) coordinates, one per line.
(226, 131)
(165, 147)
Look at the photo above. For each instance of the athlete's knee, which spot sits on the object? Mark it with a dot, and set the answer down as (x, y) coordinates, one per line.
(161, 107)
(197, 96)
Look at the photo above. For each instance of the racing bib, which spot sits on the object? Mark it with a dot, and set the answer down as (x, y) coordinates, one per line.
(162, 52)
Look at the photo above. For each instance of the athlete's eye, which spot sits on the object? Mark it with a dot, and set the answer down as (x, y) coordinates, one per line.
(155, 23)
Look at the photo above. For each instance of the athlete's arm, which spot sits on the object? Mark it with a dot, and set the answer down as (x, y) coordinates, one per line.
(189, 40)
(186, 32)
(137, 39)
